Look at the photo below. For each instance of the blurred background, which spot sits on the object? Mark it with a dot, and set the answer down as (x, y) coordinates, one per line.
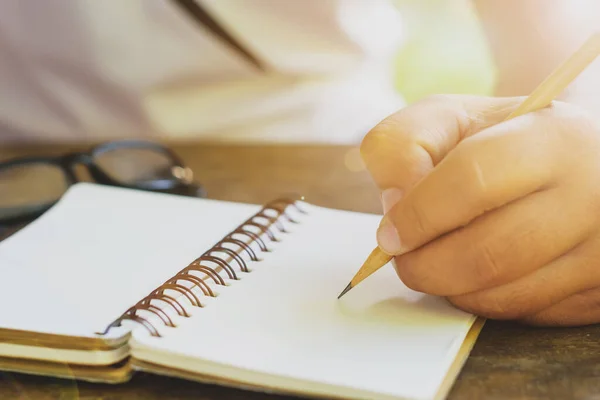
(445, 50)
(265, 71)
(178, 70)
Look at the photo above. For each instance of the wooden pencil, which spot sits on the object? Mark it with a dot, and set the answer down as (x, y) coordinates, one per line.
(541, 97)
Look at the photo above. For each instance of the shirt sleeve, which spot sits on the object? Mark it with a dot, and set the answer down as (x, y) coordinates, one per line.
(312, 36)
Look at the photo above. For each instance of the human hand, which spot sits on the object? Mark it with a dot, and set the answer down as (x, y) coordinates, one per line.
(501, 218)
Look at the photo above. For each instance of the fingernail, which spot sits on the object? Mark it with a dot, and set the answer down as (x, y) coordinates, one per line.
(389, 197)
(388, 238)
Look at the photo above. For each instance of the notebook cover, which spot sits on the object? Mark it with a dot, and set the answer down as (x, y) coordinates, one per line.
(113, 374)
(53, 341)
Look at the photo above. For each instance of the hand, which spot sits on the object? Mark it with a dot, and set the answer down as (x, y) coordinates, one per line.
(502, 218)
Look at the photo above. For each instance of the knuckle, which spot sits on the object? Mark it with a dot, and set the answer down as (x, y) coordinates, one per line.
(393, 157)
(589, 299)
(512, 306)
(418, 221)
(479, 181)
(465, 122)
(388, 135)
(476, 187)
(374, 139)
(487, 267)
(484, 306)
(495, 306)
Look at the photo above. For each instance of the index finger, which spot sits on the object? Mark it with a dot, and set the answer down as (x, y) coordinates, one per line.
(403, 148)
(501, 164)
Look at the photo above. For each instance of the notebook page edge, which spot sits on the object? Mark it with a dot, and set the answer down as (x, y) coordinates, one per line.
(82, 357)
(148, 359)
(460, 358)
(110, 374)
(57, 341)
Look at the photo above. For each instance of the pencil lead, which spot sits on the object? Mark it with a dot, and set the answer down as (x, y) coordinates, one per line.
(346, 290)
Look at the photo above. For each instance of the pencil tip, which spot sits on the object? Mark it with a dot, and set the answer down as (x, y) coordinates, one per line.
(346, 290)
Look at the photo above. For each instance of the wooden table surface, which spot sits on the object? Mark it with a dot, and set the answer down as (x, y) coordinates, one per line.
(509, 361)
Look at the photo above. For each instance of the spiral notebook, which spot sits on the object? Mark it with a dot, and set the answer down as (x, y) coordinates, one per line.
(111, 281)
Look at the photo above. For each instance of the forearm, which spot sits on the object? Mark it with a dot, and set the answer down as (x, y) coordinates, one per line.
(529, 38)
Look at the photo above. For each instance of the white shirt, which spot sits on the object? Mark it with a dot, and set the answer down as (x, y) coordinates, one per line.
(108, 69)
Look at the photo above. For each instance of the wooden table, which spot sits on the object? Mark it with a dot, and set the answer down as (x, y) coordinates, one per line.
(508, 362)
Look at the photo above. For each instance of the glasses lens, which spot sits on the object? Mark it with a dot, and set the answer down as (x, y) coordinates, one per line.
(29, 188)
(137, 166)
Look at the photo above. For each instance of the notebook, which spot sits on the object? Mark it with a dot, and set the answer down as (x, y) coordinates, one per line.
(112, 281)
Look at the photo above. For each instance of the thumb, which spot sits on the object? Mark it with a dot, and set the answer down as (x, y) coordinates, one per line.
(406, 146)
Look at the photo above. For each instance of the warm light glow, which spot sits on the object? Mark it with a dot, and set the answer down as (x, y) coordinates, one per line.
(183, 174)
(353, 160)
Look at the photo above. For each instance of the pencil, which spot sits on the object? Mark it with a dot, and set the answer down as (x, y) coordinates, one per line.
(541, 97)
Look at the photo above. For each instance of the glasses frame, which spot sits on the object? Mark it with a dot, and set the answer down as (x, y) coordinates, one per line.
(182, 182)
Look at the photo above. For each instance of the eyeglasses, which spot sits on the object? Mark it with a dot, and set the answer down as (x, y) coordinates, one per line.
(29, 186)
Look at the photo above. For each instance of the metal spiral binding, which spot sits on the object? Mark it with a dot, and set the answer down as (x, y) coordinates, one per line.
(278, 207)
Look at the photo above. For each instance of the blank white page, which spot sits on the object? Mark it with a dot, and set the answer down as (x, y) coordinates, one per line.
(99, 251)
(282, 326)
